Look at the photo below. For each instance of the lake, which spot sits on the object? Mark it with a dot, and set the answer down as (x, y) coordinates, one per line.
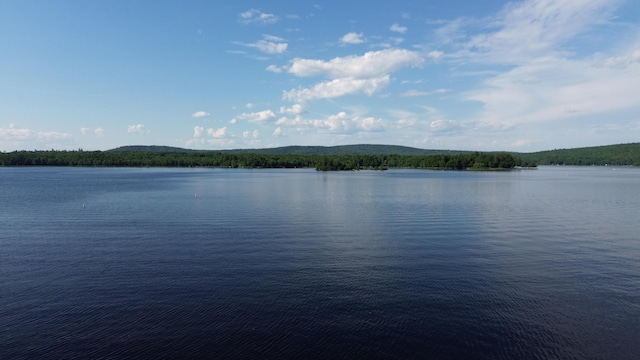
(294, 263)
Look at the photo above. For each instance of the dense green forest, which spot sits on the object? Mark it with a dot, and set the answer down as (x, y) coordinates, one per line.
(619, 155)
(138, 158)
(349, 157)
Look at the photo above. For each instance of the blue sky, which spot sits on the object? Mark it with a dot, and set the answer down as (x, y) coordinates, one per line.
(468, 75)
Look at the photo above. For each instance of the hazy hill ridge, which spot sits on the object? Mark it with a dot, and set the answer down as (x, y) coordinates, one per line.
(364, 149)
(619, 154)
(360, 156)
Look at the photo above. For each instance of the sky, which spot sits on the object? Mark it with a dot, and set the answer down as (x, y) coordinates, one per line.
(491, 75)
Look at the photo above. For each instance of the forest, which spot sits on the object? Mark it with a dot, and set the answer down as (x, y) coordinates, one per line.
(139, 158)
(326, 158)
(618, 155)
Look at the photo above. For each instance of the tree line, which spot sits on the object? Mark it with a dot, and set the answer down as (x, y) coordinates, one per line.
(621, 154)
(475, 160)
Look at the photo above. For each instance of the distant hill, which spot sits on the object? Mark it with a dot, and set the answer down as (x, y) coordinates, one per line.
(151, 148)
(365, 149)
(620, 154)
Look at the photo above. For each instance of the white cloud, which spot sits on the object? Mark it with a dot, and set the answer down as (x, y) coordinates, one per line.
(554, 68)
(337, 122)
(273, 38)
(622, 61)
(445, 126)
(296, 109)
(552, 89)
(347, 124)
(435, 55)
(352, 38)
(100, 132)
(255, 117)
(269, 47)
(536, 28)
(249, 105)
(277, 132)
(336, 88)
(412, 93)
(84, 130)
(254, 16)
(397, 28)
(365, 74)
(370, 124)
(340, 123)
(137, 129)
(199, 114)
(297, 121)
(197, 131)
(217, 133)
(251, 135)
(275, 68)
(371, 64)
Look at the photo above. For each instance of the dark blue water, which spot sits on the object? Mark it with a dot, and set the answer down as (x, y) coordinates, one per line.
(202, 263)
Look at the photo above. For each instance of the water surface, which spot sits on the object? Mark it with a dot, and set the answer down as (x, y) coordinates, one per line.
(165, 263)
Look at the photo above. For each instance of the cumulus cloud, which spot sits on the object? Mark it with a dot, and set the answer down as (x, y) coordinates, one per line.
(338, 87)
(277, 132)
(200, 114)
(352, 38)
(254, 16)
(217, 133)
(296, 109)
(269, 47)
(137, 129)
(371, 64)
(219, 138)
(255, 117)
(100, 132)
(345, 124)
(197, 131)
(340, 123)
(397, 28)
(84, 130)
(445, 126)
(364, 74)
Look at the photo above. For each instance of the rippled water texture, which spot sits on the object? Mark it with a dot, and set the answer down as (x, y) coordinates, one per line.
(165, 263)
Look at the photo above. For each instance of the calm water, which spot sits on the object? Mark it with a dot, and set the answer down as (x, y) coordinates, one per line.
(166, 263)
